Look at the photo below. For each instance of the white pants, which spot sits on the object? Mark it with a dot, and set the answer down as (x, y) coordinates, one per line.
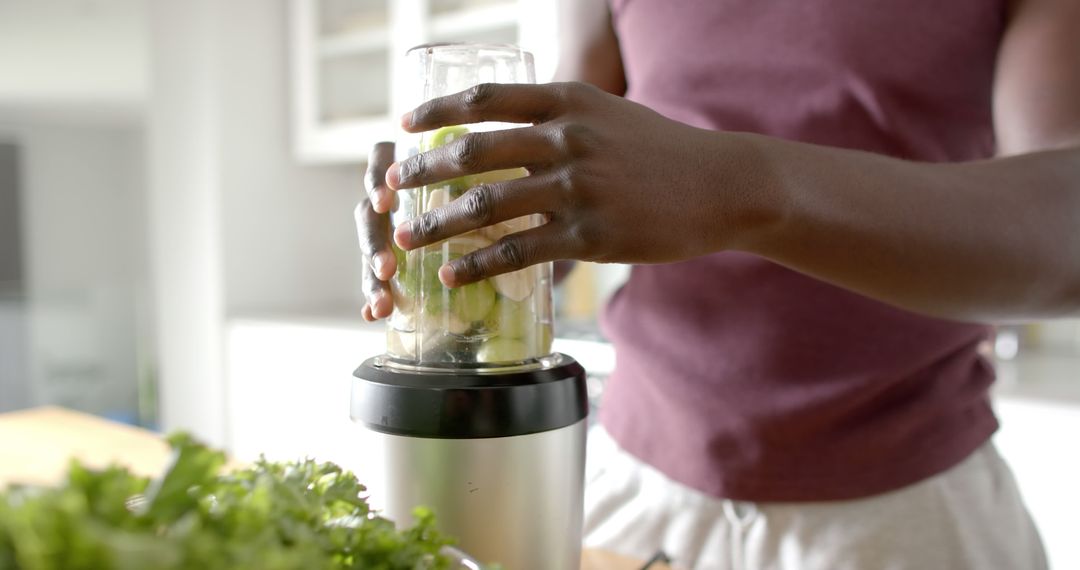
(969, 517)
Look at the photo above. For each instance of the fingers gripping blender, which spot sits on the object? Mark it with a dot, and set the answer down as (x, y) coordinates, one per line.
(475, 417)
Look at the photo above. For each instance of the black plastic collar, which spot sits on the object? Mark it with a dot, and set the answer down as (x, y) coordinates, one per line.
(467, 405)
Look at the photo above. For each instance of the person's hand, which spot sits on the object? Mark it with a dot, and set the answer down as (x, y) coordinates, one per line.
(373, 229)
(615, 181)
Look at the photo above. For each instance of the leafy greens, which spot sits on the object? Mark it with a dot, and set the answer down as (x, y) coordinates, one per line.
(270, 516)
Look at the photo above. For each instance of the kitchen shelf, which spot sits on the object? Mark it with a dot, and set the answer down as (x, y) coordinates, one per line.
(347, 57)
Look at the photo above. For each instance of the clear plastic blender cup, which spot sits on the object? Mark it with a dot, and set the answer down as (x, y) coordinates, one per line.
(500, 322)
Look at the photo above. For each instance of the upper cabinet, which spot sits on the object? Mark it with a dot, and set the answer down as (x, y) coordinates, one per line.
(346, 55)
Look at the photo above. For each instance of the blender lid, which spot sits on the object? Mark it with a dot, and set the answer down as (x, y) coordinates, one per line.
(468, 404)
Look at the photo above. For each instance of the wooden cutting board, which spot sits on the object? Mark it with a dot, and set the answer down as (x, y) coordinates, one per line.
(36, 446)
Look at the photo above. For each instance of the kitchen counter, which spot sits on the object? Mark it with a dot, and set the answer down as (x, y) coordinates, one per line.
(37, 445)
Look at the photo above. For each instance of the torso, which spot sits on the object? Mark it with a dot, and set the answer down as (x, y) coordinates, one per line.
(747, 380)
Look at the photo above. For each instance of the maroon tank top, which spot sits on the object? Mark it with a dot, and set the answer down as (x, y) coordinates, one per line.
(747, 380)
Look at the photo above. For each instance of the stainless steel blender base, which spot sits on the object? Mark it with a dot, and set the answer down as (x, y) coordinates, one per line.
(499, 457)
(475, 486)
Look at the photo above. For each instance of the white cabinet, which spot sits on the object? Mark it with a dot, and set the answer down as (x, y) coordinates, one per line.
(346, 54)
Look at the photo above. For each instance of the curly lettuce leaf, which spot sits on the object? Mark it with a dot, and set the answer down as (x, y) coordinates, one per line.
(272, 516)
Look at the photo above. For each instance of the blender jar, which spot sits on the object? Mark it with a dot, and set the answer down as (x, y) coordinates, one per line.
(500, 322)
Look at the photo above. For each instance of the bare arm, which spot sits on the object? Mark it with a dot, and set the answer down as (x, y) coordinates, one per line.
(990, 240)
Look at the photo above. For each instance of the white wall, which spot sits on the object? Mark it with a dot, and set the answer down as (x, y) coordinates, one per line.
(72, 87)
(65, 59)
(290, 243)
(237, 225)
(83, 261)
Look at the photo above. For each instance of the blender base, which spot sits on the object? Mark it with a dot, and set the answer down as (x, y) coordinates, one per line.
(499, 458)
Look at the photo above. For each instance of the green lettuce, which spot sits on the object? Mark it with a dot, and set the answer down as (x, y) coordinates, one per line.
(270, 516)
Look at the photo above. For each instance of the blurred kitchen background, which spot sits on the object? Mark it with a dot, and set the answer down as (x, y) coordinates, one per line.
(177, 248)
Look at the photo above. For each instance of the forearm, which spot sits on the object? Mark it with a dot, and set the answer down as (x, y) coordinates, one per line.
(992, 240)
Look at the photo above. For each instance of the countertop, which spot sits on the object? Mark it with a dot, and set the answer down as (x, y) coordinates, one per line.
(37, 445)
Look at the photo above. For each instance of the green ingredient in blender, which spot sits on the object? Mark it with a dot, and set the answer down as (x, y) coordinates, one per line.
(433, 260)
(468, 303)
(446, 135)
(403, 303)
(511, 319)
(405, 279)
(442, 136)
(503, 350)
(487, 321)
(490, 177)
(271, 516)
(472, 302)
(546, 338)
(464, 304)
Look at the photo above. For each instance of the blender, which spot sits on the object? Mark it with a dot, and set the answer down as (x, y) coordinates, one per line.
(469, 411)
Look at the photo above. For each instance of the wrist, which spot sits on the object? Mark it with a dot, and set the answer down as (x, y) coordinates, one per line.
(747, 191)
